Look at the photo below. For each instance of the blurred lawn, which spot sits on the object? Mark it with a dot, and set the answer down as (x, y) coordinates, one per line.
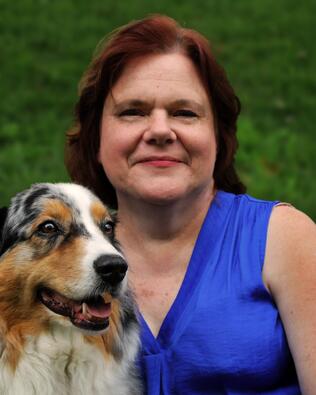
(266, 47)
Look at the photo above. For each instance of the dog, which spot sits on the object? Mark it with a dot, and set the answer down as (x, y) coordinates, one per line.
(68, 321)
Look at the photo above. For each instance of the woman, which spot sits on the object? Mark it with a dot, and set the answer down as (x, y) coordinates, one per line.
(224, 282)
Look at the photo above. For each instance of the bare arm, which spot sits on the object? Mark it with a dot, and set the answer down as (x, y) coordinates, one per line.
(290, 275)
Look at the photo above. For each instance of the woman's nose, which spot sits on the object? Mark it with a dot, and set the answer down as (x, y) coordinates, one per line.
(159, 131)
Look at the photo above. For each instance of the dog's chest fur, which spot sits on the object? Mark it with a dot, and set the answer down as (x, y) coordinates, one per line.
(62, 362)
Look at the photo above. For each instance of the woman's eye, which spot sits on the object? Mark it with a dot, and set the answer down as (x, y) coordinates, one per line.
(107, 227)
(48, 228)
(185, 113)
(131, 112)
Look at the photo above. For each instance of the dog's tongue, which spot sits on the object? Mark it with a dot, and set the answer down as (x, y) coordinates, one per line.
(97, 308)
(92, 309)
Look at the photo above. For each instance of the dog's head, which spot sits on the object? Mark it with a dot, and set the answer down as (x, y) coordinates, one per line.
(59, 260)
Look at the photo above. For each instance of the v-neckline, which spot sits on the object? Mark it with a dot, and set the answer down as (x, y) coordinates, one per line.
(179, 313)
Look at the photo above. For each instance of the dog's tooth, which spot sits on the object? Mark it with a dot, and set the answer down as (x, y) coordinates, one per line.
(85, 311)
(84, 308)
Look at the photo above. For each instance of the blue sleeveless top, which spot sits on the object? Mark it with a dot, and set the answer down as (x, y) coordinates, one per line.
(223, 333)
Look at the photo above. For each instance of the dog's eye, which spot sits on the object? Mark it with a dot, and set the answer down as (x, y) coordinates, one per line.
(107, 227)
(48, 228)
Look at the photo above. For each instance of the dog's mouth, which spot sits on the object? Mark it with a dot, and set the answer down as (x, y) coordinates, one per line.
(90, 314)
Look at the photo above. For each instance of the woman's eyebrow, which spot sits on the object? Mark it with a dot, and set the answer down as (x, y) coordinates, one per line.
(138, 103)
(189, 103)
(121, 105)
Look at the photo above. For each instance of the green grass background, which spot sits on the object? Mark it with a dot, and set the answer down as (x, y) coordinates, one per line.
(266, 46)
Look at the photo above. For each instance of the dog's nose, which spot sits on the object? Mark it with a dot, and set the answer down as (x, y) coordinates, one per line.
(111, 268)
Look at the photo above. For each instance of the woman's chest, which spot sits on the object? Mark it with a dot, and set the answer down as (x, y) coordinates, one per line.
(236, 336)
(228, 343)
(155, 296)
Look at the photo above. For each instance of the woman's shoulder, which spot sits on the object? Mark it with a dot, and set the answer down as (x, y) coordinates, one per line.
(291, 241)
(290, 276)
(294, 219)
(291, 232)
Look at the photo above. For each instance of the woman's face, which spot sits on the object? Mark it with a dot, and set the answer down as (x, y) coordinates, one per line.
(157, 139)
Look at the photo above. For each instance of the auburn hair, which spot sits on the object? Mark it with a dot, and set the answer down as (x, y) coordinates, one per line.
(157, 34)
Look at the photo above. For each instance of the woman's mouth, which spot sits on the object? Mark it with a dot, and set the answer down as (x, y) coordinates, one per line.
(159, 162)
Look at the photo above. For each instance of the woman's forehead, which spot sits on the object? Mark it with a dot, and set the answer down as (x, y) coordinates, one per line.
(168, 67)
(171, 75)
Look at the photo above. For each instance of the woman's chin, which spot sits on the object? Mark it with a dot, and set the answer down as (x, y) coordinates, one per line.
(160, 200)
(161, 196)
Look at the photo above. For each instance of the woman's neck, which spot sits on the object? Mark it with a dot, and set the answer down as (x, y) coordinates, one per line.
(141, 222)
(158, 242)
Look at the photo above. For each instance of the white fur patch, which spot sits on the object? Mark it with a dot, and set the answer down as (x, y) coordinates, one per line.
(62, 362)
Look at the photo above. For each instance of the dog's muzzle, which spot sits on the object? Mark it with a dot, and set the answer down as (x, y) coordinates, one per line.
(93, 312)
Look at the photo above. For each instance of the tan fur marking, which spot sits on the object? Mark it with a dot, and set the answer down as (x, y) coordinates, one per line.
(21, 314)
(54, 209)
(107, 298)
(19, 317)
(60, 269)
(99, 212)
(16, 337)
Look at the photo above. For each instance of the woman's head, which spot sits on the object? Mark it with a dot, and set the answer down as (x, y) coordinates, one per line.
(150, 36)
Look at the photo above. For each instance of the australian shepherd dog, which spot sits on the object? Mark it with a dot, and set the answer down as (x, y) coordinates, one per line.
(68, 323)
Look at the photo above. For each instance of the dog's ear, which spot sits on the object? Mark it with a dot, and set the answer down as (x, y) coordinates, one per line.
(3, 216)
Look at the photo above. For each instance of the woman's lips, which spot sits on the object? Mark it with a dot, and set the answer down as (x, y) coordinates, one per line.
(159, 161)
